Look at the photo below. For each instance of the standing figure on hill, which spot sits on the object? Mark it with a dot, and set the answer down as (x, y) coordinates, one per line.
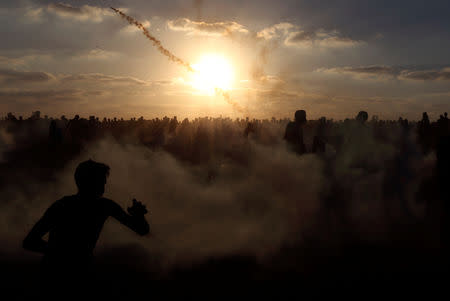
(319, 143)
(294, 133)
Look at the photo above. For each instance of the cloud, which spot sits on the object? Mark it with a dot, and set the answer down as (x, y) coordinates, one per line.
(276, 95)
(13, 77)
(102, 78)
(275, 31)
(320, 38)
(9, 76)
(41, 95)
(205, 28)
(426, 75)
(98, 54)
(290, 33)
(83, 13)
(11, 61)
(402, 73)
(34, 13)
(363, 71)
(21, 91)
(134, 29)
(294, 36)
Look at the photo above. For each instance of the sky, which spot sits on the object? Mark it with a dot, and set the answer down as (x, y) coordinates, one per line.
(330, 58)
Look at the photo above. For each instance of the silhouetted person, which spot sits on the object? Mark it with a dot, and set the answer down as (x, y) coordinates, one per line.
(173, 125)
(319, 144)
(424, 133)
(249, 129)
(74, 224)
(294, 132)
(55, 133)
(362, 117)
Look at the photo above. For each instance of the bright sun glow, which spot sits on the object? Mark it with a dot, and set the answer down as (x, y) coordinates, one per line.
(212, 72)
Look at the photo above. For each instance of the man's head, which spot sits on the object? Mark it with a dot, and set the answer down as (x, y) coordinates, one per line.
(300, 116)
(90, 177)
(362, 116)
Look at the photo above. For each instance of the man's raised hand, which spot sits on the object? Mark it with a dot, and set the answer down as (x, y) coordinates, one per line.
(137, 209)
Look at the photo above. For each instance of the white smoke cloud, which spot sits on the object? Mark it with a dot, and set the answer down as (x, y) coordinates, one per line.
(83, 13)
(225, 28)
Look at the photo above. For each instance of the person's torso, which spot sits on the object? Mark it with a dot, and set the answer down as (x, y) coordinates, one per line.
(77, 224)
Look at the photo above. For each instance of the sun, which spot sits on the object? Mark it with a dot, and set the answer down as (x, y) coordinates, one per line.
(212, 72)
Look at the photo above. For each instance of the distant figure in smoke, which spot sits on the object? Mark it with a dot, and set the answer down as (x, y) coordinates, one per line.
(74, 224)
(424, 133)
(55, 133)
(294, 132)
(319, 144)
(250, 129)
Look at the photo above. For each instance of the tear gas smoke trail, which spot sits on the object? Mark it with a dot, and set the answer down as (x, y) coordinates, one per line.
(156, 42)
(172, 57)
(228, 99)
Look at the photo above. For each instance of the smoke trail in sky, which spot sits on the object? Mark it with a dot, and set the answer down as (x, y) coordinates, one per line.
(198, 5)
(228, 99)
(174, 58)
(155, 41)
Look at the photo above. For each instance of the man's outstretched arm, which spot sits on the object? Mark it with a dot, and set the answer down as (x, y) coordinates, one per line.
(33, 241)
(135, 220)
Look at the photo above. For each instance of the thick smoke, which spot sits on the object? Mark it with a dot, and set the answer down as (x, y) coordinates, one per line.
(219, 208)
(155, 41)
(215, 208)
(249, 195)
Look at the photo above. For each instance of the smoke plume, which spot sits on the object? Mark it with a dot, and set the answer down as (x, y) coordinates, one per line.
(226, 95)
(157, 43)
(172, 57)
(198, 5)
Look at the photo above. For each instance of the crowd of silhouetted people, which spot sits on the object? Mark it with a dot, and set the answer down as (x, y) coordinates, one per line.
(352, 151)
(302, 135)
(350, 144)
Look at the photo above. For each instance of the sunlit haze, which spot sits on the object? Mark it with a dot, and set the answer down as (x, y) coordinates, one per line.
(212, 72)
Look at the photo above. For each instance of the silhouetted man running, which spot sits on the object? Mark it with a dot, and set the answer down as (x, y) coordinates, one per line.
(74, 224)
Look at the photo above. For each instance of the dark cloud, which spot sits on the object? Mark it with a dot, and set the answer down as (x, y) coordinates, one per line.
(14, 77)
(8, 76)
(438, 74)
(372, 70)
(301, 36)
(426, 75)
(321, 38)
(65, 8)
(364, 70)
